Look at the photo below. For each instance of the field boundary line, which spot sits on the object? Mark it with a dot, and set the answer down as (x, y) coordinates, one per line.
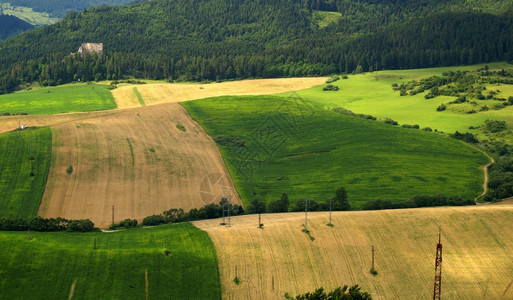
(138, 95)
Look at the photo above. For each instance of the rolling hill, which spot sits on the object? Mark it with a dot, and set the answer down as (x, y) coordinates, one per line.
(280, 259)
(11, 26)
(274, 145)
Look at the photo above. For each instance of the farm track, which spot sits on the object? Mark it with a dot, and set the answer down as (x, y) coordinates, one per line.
(478, 260)
(485, 172)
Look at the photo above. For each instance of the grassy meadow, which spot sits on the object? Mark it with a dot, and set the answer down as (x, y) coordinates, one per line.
(60, 99)
(64, 265)
(372, 93)
(21, 193)
(273, 145)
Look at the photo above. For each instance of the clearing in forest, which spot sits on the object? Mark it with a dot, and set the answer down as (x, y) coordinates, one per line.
(280, 258)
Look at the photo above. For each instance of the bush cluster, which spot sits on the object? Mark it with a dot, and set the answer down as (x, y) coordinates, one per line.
(344, 111)
(209, 211)
(43, 224)
(126, 223)
(467, 137)
(330, 87)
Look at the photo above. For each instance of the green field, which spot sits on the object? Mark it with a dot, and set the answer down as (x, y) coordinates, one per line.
(61, 99)
(21, 193)
(303, 150)
(48, 265)
(372, 93)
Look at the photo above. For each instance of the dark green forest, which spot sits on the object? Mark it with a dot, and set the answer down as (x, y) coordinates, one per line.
(11, 26)
(227, 39)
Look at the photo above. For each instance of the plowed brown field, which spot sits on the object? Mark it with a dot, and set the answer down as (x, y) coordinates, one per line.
(176, 92)
(135, 160)
(477, 253)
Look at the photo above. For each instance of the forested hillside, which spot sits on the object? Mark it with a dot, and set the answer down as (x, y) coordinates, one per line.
(221, 39)
(11, 26)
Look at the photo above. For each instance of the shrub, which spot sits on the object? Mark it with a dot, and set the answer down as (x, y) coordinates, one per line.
(330, 87)
(410, 126)
(494, 126)
(389, 121)
(467, 137)
(441, 107)
(154, 220)
(126, 223)
(332, 79)
(180, 127)
(427, 129)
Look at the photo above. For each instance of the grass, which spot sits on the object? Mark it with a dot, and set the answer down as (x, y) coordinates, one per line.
(46, 266)
(61, 99)
(28, 14)
(305, 151)
(477, 247)
(139, 97)
(325, 18)
(372, 93)
(21, 193)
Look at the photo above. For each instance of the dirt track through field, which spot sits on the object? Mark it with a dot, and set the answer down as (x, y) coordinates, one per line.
(136, 160)
(279, 259)
(176, 92)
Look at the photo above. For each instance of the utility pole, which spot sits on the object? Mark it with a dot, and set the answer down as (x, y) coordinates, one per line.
(112, 214)
(373, 258)
(331, 202)
(229, 207)
(306, 215)
(438, 268)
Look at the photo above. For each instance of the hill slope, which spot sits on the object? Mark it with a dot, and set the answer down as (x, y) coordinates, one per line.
(275, 145)
(11, 26)
(279, 259)
(65, 265)
(218, 39)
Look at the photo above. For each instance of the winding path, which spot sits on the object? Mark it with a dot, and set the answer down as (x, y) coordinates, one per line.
(485, 171)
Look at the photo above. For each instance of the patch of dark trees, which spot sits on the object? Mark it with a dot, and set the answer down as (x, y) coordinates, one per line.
(418, 201)
(46, 225)
(340, 293)
(500, 183)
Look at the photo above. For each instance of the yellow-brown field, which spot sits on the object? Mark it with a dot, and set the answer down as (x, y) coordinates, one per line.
(477, 253)
(176, 92)
(136, 160)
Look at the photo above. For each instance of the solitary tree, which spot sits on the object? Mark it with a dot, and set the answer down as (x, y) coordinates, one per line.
(340, 201)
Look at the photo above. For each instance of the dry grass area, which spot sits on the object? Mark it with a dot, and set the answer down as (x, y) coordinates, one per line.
(176, 92)
(136, 160)
(477, 252)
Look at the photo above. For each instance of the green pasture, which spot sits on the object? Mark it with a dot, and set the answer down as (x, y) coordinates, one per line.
(23, 153)
(274, 145)
(64, 265)
(60, 99)
(372, 93)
